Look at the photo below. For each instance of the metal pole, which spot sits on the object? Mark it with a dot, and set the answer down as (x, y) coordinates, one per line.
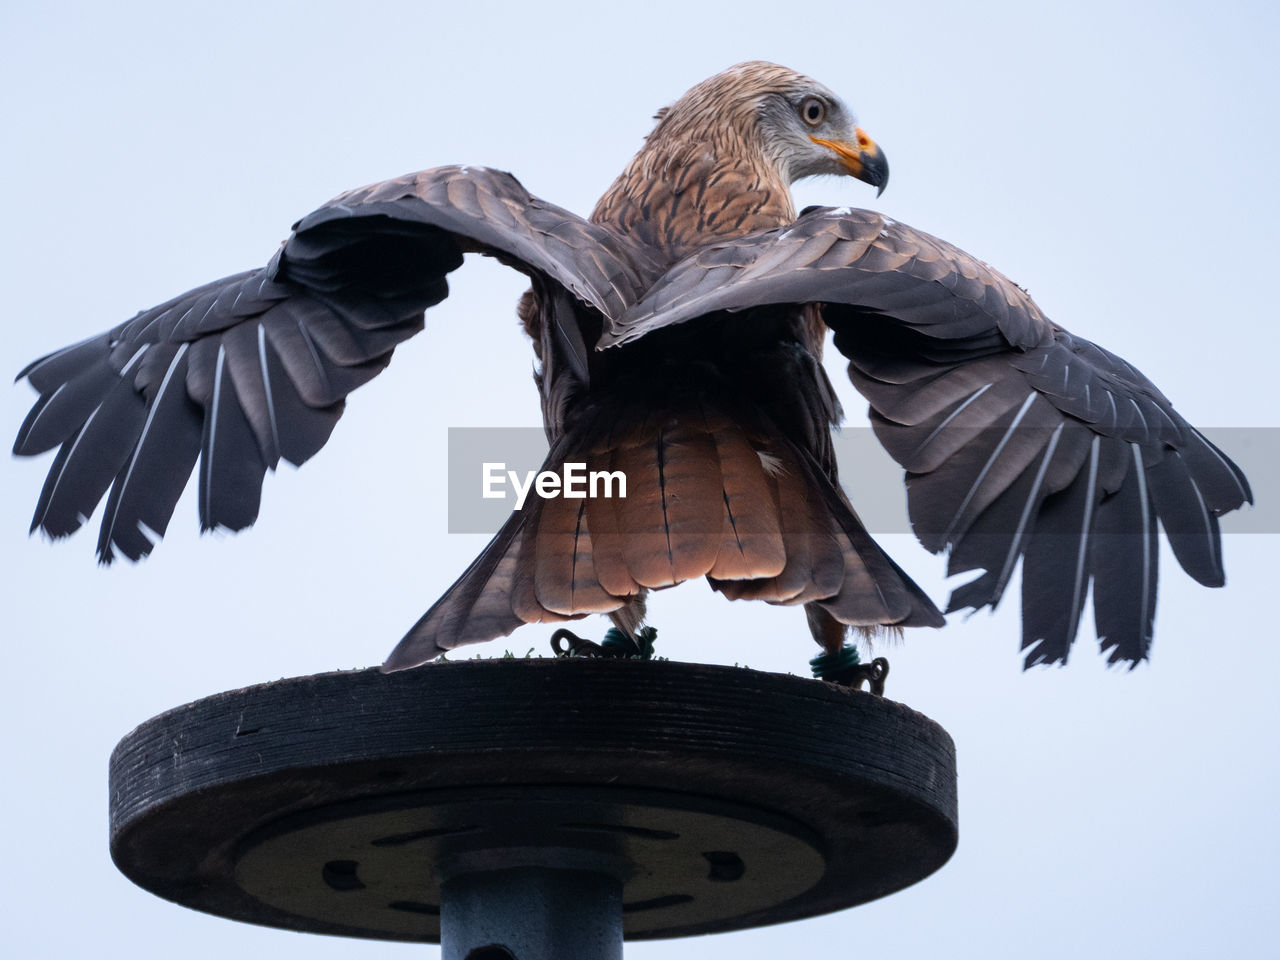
(531, 912)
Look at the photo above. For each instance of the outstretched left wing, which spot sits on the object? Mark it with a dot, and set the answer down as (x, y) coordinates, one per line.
(256, 367)
(1019, 439)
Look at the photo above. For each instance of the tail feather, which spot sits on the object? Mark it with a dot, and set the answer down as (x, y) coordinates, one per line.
(750, 543)
(641, 518)
(875, 591)
(692, 496)
(814, 564)
(706, 496)
(477, 607)
(564, 578)
(608, 542)
(523, 587)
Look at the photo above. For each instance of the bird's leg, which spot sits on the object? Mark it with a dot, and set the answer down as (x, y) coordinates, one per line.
(628, 637)
(639, 644)
(839, 662)
(628, 617)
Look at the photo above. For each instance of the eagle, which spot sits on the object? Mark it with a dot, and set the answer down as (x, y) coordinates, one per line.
(678, 334)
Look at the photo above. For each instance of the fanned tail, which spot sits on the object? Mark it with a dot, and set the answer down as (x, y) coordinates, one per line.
(693, 493)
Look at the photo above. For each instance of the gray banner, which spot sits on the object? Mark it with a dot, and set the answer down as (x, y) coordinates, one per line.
(492, 468)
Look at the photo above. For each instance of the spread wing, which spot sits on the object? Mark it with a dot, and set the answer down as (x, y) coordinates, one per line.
(1019, 439)
(256, 367)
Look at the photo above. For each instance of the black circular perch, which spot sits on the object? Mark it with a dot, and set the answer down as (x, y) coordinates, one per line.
(706, 798)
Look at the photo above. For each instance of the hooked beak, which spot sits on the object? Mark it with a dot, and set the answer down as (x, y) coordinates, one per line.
(862, 158)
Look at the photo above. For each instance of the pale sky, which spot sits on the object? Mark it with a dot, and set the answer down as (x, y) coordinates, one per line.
(1116, 159)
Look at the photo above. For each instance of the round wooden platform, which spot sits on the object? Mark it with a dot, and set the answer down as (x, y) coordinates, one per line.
(721, 797)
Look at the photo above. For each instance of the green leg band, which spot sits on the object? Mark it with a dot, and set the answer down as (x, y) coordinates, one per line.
(829, 666)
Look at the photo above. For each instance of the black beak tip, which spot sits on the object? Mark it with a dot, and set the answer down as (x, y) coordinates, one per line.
(876, 169)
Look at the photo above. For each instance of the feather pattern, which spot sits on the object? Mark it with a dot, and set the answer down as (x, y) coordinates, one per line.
(994, 412)
(270, 355)
(1124, 546)
(679, 333)
(144, 493)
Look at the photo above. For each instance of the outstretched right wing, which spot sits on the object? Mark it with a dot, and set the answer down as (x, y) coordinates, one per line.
(256, 367)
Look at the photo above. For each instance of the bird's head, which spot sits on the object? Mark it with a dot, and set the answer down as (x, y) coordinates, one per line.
(797, 125)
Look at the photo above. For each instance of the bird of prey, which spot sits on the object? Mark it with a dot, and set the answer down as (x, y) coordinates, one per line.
(679, 333)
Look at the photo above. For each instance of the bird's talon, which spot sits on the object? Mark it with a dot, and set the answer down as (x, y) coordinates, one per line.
(845, 668)
(616, 644)
(874, 673)
(566, 643)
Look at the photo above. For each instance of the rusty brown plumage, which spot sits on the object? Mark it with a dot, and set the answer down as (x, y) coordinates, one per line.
(709, 168)
(679, 334)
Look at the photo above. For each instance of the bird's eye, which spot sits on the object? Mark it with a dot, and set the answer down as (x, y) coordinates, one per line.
(813, 111)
